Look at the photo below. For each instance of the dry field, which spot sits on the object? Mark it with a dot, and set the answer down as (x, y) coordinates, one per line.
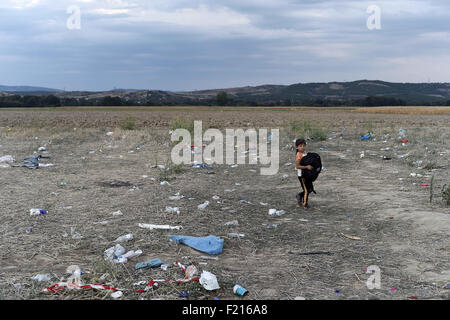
(95, 174)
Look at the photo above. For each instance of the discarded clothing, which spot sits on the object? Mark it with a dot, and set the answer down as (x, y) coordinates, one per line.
(32, 162)
(210, 244)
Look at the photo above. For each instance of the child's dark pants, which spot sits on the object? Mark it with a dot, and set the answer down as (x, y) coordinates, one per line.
(307, 186)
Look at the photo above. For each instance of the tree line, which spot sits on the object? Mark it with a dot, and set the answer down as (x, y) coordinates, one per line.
(222, 99)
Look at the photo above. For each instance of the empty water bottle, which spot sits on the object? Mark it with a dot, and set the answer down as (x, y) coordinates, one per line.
(123, 238)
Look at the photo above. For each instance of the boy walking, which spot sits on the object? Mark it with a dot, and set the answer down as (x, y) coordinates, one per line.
(307, 186)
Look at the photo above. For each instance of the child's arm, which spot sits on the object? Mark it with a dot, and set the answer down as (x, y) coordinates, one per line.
(298, 166)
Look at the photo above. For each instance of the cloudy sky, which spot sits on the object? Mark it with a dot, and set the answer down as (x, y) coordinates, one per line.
(204, 44)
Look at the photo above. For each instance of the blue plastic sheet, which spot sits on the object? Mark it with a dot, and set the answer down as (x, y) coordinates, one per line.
(210, 244)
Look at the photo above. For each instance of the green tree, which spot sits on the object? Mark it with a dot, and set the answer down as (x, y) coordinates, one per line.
(222, 98)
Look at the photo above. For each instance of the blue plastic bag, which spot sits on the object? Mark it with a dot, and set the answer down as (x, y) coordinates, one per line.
(210, 244)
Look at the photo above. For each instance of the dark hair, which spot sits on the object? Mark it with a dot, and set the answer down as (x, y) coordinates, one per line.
(299, 142)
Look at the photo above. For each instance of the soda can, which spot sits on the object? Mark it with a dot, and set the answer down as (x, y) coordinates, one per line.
(239, 290)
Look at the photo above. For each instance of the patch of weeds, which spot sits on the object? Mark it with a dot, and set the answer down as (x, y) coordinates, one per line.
(128, 124)
(179, 123)
(304, 128)
(430, 165)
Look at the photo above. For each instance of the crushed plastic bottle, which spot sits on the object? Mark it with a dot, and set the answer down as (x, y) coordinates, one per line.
(41, 277)
(37, 212)
(172, 210)
(123, 238)
(203, 205)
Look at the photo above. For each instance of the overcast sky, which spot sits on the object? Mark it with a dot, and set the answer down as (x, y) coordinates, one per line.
(204, 44)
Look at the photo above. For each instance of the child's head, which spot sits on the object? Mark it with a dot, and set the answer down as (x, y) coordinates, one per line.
(300, 145)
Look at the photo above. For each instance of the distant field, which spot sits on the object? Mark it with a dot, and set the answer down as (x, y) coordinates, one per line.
(405, 110)
(178, 108)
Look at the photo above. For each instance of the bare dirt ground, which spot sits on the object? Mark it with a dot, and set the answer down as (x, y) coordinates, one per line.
(377, 200)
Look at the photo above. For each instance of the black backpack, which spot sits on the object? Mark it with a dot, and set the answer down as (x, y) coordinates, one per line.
(312, 159)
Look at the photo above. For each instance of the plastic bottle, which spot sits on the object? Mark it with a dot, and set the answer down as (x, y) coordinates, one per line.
(123, 238)
(37, 212)
(203, 205)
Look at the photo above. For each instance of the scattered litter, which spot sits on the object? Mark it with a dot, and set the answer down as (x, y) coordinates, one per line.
(271, 226)
(210, 244)
(37, 212)
(57, 287)
(44, 165)
(245, 202)
(275, 212)
(209, 281)
(239, 290)
(350, 236)
(124, 238)
(234, 166)
(191, 272)
(209, 258)
(425, 185)
(163, 183)
(232, 223)
(6, 159)
(117, 213)
(31, 162)
(237, 235)
(114, 252)
(153, 263)
(41, 277)
(117, 294)
(184, 294)
(75, 235)
(216, 198)
(163, 227)
(203, 205)
(109, 133)
(288, 164)
(172, 210)
(177, 196)
(101, 222)
(201, 165)
(153, 283)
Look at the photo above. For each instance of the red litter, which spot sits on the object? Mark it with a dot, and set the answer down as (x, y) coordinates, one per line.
(154, 283)
(404, 141)
(425, 185)
(61, 285)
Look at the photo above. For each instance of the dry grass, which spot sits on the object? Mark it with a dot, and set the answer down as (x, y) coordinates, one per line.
(260, 261)
(406, 110)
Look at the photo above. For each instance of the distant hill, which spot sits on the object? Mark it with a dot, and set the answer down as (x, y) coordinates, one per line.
(22, 89)
(339, 91)
(362, 92)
